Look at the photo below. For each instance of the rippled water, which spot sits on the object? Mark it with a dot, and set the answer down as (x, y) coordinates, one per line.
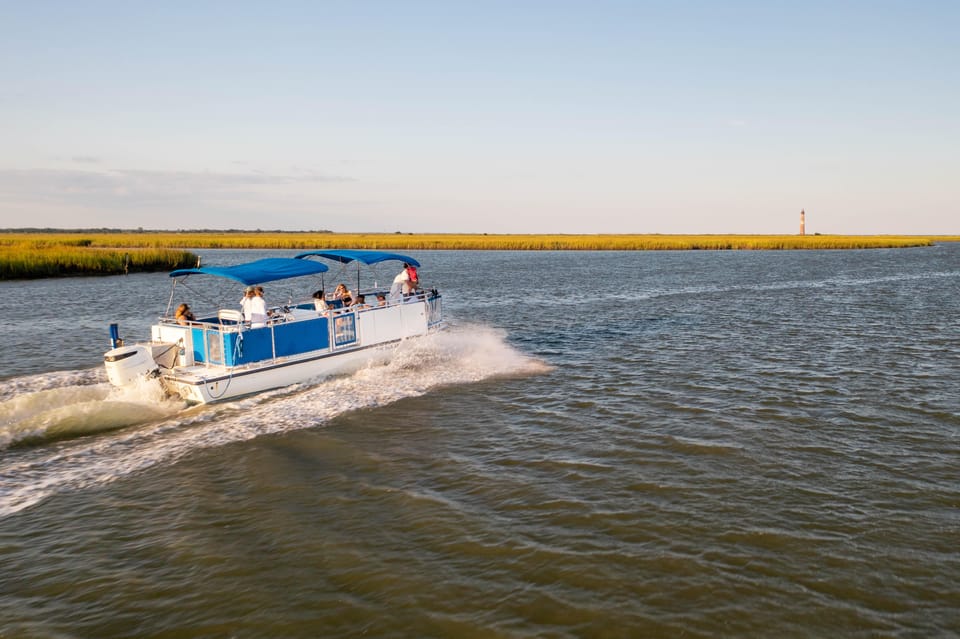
(671, 444)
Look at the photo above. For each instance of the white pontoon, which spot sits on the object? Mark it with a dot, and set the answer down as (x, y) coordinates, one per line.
(220, 356)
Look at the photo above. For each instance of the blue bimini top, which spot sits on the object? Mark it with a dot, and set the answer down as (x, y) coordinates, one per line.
(367, 257)
(268, 269)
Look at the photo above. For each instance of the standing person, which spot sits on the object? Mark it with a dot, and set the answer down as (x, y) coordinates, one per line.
(401, 283)
(258, 309)
(412, 276)
(246, 302)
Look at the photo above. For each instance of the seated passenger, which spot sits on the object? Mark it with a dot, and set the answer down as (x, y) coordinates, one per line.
(342, 294)
(184, 315)
(320, 302)
(381, 300)
(360, 303)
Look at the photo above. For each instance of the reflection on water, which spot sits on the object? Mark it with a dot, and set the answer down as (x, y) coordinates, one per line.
(605, 444)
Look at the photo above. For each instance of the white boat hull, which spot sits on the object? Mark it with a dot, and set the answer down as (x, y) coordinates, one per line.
(203, 385)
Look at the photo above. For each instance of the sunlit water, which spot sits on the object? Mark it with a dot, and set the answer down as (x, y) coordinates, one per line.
(666, 444)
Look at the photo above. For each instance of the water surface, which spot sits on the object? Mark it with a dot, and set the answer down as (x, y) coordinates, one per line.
(669, 444)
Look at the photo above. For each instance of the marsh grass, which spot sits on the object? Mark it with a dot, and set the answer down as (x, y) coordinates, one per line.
(35, 259)
(30, 255)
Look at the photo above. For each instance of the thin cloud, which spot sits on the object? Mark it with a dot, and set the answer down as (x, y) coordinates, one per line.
(129, 186)
(67, 198)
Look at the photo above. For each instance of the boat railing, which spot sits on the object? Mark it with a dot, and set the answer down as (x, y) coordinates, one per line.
(232, 319)
(215, 338)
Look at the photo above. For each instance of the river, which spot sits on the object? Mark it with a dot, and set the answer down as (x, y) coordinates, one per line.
(603, 444)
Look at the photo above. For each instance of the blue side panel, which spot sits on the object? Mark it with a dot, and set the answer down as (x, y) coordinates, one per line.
(301, 337)
(199, 353)
(255, 345)
(230, 348)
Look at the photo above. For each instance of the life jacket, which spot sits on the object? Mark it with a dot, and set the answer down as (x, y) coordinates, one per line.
(412, 274)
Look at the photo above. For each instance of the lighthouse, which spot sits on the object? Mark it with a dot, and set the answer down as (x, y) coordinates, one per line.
(802, 222)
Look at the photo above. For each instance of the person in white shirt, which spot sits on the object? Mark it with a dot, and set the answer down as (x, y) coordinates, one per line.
(258, 309)
(401, 284)
(246, 301)
(320, 302)
(254, 308)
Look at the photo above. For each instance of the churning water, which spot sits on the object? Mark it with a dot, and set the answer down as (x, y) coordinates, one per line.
(603, 445)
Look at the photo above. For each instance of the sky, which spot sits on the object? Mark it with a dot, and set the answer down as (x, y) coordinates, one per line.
(598, 116)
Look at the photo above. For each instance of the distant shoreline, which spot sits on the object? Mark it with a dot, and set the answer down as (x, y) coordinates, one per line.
(113, 238)
(28, 254)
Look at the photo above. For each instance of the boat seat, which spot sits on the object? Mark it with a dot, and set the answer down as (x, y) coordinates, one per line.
(230, 315)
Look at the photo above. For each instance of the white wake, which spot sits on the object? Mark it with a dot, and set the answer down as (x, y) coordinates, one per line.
(54, 440)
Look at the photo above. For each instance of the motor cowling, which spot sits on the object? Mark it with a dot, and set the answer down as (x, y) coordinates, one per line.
(127, 364)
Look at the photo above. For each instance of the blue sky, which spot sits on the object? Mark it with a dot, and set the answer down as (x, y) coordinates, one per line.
(498, 117)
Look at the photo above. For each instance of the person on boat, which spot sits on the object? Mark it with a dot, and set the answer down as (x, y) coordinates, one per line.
(359, 303)
(342, 293)
(381, 300)
(245, 302)
(254, 308)
(401, 284)
(320, 302)
(258, 309)
(184, 315)
(412, 277)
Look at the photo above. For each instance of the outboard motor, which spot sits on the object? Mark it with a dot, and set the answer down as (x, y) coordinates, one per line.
(126, 364)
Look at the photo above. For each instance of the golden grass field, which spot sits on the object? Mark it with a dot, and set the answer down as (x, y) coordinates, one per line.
(35, 257)
(27, 255)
